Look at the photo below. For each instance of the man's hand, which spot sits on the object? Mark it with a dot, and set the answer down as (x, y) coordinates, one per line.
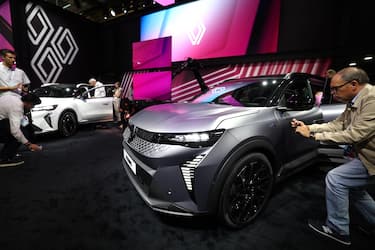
(295, 123)
(34, 147)
(300, 127)
(303, 130)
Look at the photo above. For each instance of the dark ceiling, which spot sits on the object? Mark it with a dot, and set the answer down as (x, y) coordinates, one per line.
(104, 10)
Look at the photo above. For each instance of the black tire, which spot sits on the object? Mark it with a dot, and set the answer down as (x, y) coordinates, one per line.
(246, 190)
(68, 124)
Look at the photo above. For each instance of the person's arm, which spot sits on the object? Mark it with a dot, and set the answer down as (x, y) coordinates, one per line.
(15, 118)
(332, 126)
(360, 129)
(15, 129)
(25, 79)
(8, 88)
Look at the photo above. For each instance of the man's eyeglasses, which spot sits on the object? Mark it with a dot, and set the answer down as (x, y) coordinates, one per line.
(335, 88)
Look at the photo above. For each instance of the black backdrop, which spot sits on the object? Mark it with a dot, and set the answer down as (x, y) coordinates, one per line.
(82, 53)
(335, 28)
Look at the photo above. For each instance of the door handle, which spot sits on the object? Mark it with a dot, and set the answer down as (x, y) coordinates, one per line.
(318, 121)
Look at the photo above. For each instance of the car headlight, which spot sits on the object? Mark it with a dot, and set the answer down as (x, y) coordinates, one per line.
(44, 108)
(195, 140)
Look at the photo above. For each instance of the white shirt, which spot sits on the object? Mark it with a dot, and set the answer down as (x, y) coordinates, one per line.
(11, 107)
(11, 77)
(99, 91)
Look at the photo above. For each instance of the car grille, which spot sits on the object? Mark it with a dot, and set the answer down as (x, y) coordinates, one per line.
(142, 146)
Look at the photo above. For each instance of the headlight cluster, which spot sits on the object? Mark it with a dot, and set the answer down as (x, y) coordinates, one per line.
(44, 108)
(194, 140)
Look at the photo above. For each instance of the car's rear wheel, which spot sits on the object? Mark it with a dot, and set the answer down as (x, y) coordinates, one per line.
(68, 124)
(246, 190)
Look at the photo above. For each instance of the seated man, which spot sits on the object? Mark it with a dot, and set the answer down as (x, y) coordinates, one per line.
(12, 109)
(99, 88)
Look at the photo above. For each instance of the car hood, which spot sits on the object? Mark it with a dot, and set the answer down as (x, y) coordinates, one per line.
(186, 117)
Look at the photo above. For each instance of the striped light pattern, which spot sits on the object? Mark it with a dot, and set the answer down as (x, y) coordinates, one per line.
(188, 169)
(184, 89)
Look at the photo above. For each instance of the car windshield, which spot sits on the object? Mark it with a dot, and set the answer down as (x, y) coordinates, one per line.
(254, 93)
(55, 91)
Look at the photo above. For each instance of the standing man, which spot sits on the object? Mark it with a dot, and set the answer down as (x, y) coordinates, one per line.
(356, 128)
(11, 77)
(116, 101)
(12, 109)
(100, 90)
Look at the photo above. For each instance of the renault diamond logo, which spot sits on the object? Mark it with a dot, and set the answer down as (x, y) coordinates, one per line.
(196, 33)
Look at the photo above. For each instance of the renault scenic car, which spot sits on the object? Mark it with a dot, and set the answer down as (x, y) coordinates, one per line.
(222, 153)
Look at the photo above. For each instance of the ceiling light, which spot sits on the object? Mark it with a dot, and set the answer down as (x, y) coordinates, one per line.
(368, 58)
(125, 11)
(353, 64)
(113, 13)
(105, 17)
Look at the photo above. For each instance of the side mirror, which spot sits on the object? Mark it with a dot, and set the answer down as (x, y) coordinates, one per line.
(299, 104)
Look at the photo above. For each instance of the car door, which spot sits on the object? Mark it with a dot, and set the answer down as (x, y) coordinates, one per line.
(95, 108)
(297, 148)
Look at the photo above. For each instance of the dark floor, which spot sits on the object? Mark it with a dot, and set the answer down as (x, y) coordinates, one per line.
(76, 195)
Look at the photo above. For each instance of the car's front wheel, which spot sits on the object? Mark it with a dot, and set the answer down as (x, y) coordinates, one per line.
(68, 124)
(246, 190)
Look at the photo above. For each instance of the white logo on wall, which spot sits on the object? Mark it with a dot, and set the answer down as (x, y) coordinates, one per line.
(55, 47)
(196, 33)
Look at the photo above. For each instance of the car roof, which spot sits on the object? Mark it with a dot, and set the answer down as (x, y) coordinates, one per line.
(60, 85)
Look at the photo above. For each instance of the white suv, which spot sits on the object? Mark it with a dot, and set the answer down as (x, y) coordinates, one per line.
(64, 106)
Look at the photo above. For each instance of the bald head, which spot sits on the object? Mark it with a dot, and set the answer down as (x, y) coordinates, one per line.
(353, 73)
(347, 83)
(92, 82)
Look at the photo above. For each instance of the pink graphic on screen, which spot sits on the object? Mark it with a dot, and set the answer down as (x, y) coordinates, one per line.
(165, 2)
(152, 86)
(6, 35)
(204, 29)
(155, 53)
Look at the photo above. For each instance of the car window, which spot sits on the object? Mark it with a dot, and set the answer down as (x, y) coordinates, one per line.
(256, 94)
(322, 88)
(80, 92)
(297, 92)
(108, 89)
(55, 91)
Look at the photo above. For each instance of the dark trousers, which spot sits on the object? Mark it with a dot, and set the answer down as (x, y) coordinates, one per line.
(11, 144)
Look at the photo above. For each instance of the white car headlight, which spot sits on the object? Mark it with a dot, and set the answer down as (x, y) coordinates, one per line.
(44, 108)
(200, 139)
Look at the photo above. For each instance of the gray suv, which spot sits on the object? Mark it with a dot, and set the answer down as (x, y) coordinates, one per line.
(222, 153)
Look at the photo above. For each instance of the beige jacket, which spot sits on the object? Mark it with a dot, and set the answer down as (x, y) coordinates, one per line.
(356, 126)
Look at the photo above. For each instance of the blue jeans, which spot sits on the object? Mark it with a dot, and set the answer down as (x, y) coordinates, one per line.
(348, 180)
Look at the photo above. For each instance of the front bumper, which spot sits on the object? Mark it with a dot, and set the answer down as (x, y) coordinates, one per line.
(163, 189)
(44, 121)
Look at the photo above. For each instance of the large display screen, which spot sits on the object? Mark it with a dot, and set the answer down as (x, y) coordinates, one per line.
(155, 53)
(204, 29)
(6, 33)
(152, 86)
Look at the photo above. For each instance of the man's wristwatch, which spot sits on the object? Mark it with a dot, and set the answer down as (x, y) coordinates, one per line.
(312, 135)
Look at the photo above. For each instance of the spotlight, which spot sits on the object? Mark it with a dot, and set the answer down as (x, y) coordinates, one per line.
(353, 64)
(113, 13)
(125, 11)
(368, 58)
(105, 17)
